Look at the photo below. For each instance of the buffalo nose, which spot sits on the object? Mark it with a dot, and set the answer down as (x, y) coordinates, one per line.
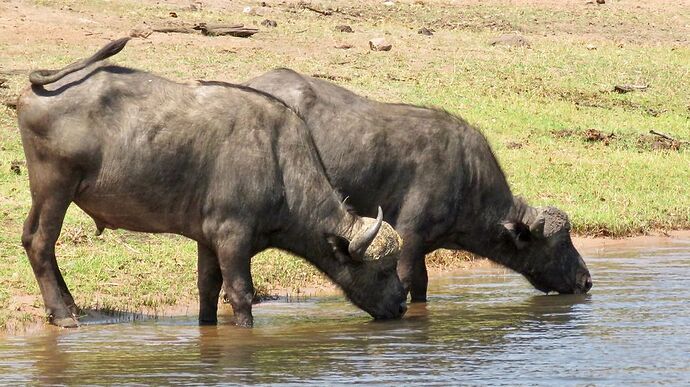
(588, 283)
(403, 308)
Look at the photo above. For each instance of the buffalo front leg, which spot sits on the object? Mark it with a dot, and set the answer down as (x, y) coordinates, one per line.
(412, 269)
(41, 231)
(234, 257)
(420, 279)
(209, 282)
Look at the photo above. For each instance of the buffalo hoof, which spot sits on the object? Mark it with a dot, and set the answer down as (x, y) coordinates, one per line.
(208, 322)
(418, 299)
(244, 322)
(66, 322)
(74, 310)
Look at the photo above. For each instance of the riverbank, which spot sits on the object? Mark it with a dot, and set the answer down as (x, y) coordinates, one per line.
(28, 316)
(546, 101)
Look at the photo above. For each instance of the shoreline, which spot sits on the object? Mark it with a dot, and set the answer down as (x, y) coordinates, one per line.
(592, 245)
(585, 244)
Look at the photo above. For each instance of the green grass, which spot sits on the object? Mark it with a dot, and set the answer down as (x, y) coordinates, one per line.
(515, 95)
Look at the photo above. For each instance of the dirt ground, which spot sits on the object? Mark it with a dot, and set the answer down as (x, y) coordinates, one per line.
(29, 23)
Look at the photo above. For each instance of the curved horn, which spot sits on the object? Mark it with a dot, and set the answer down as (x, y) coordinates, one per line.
(536, 228)
(360, 242)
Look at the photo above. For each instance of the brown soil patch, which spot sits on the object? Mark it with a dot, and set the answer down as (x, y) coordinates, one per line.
(652, 142)
(646, 142)
(589, 245)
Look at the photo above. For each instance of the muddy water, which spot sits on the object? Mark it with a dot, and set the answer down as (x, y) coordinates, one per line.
(484, 326)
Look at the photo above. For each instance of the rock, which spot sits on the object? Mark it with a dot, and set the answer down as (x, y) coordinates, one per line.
(269, 23)
(425, 31)
(142, 31)
(173, 14)
(344, 28)
(249, 10)
(511, 40)
(601, 1)
(379, 44)
(343, 46)
(389, 3)
(591, 47)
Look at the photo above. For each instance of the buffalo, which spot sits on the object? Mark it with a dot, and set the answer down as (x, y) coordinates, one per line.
(231, 168)
(437, 179)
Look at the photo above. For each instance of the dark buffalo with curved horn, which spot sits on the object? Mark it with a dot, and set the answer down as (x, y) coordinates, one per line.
(229, 167)
(437, 179)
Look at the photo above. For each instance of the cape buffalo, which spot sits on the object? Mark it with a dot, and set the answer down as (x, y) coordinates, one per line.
(437, 179)
(229, 167)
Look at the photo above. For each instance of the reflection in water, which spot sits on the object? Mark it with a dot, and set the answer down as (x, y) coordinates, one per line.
(486, 326)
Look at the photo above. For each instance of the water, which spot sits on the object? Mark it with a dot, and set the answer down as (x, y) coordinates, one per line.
(485, 326)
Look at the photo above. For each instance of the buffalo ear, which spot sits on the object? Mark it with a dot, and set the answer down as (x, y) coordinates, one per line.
(519, 233)
(340, 248)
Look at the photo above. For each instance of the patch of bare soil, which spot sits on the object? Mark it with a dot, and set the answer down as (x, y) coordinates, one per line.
(660, 141)
(589, 245)
(594, 135)
(654, 141)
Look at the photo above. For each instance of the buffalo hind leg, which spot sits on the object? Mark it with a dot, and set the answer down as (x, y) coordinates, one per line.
(234, 256)
(209, 282)
(41, 231)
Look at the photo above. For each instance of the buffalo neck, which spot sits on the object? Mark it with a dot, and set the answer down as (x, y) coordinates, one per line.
(315, 208)
(492, 241)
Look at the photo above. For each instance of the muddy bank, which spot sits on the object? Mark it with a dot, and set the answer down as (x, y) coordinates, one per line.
(591, 245)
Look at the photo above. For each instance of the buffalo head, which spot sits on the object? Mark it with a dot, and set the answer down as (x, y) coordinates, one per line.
(368, 252)
(544, 252)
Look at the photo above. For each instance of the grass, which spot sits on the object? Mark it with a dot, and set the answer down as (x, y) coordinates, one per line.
(521, 98)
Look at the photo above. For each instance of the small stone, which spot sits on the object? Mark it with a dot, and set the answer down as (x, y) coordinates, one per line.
(343, 46)
(142, 31)
(269, 23)
(425, 31)
(591, 47)
(173, 14)
(248, 10)
(601, 1)
(389, 3)
(344, 28)
(379, 44)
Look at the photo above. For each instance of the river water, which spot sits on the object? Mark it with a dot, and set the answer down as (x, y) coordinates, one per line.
(482, 326)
